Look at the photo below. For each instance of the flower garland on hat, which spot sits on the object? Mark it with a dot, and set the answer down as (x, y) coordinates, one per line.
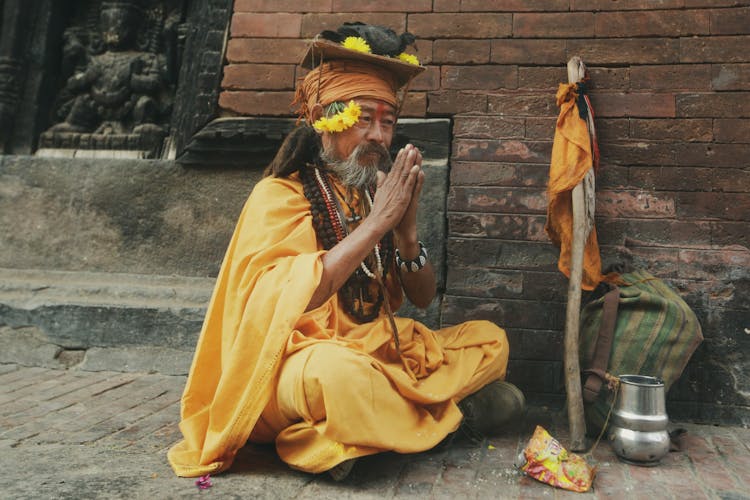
(360, 45)
(338, 117)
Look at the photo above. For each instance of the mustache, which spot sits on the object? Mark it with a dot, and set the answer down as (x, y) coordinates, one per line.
(383, 159)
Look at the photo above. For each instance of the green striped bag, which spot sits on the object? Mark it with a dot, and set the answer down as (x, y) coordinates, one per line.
(642, 328)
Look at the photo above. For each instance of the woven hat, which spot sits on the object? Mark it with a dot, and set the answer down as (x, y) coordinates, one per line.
(385, 49)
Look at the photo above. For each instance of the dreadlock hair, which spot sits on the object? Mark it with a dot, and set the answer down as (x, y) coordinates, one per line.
(300, 147)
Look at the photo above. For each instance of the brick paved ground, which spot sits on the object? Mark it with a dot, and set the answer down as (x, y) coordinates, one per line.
(76, 434)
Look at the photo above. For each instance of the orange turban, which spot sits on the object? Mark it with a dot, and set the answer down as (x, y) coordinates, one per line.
(343, 80)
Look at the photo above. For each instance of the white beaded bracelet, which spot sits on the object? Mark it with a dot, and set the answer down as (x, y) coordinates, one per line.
(412, 266)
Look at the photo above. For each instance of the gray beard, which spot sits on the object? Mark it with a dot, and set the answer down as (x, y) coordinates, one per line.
(360, 169)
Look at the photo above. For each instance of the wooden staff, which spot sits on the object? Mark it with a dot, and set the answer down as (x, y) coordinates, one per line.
(583, 221)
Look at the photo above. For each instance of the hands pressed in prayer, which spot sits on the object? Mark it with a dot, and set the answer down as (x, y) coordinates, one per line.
(398, 192)
(397, 197)
(394, 208)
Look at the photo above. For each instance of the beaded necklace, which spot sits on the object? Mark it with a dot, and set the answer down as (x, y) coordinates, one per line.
(361, 295)
(328, 221)
(335, 213)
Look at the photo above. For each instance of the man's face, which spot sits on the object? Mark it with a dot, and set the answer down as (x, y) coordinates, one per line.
(376, 125)
(356, 154)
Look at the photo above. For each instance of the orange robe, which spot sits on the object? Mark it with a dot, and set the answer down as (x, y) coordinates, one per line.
(324, 387)
(571, 160)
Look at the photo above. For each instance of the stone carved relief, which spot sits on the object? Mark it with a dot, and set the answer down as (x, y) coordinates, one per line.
(119, 70)
(14, 16)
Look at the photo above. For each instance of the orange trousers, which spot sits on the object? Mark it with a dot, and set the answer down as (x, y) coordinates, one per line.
(334, 402)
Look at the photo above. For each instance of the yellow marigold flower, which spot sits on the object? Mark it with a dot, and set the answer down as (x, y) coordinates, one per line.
(321, 124)
(343, 117)
(336, 123)
(356, 43)
(409, 58)
(351, 114)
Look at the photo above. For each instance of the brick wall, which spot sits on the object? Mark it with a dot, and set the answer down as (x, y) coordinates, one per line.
(670, 85)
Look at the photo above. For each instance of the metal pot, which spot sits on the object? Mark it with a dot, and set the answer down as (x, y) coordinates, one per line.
(638, 432)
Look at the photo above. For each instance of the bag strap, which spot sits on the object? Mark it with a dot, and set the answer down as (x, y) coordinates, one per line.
(595, 374)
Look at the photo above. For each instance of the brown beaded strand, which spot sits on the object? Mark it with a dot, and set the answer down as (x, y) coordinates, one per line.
(330, 231)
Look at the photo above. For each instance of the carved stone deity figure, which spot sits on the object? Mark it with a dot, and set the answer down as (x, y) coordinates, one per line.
(119, 91)
(14, 20)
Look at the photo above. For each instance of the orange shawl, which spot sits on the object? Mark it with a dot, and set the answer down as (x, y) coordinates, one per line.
(571, 159)
(251, 314)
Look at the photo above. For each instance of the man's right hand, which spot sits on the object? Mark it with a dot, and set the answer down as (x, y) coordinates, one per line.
(396, 189)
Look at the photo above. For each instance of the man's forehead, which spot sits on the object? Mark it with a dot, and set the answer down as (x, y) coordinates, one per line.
(373, 105)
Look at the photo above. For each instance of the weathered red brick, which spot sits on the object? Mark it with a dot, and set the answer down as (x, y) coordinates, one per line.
(553, 25)
(461, 51)
(692, 130)
(460, 25)
(503, 226)
(452, 102)
(639, 204)
(615, 177)
(488, 127)
(730, 233)
(507, 312)
(283, 5)
(513, 5)
(671, 77)
(497, 200)
(641, 104)
(539, 77)
(659, 261)
(258, 77)
(383, 6)
(474, 282)
(479, 77)
(415, 105)
(640, 153)
(731, 180)
(714, 155)
(446, 5)
(725, 105)
(534, 105)
(611, 129)
(257, 103)
(508, 51)
(540, 128)
(502, 151)
(629, 5)
(254, 25)
(731, 77)
(265, 50)
(671, 178)
(730, 21)
(710, 205)
(626, 50)
(715, 3)
(429, 79)
(714, 49)
(608, 78)
(312, 24)
(636, 232)
(498, 174)
(659, 23)
(732, 130)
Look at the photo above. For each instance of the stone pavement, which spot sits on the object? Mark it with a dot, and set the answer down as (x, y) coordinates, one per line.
(78, 434)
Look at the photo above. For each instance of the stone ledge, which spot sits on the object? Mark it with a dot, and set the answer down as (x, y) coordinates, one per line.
(99, 321)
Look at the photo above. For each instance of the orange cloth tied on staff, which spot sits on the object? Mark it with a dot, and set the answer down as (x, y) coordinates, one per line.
(571, 159)
(342, 81)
